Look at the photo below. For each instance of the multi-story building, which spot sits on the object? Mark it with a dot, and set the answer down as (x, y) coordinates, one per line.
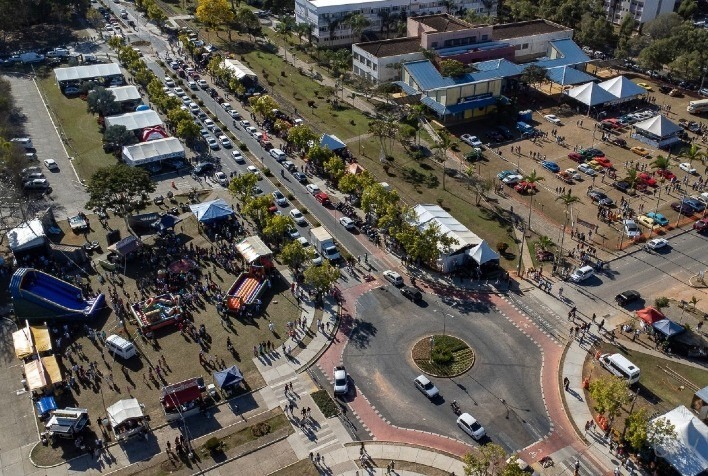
(452, 38)
(328, 18)
(641, 10)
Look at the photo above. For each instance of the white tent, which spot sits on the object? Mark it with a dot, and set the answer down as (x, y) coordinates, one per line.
(124, 410)
(26, 236)
(125, 93)
(591, 94)
(239, 69)
(658, 126)
(688, 452)
(252, 248)
(622, 88)
(482, 253)
(81, 73)
(135, 120)
(153, 151)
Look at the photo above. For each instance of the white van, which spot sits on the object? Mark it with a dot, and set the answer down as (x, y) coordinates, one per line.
(581, 274)
(278, 154)
(25, 142)
(621, 367)
(120, 347)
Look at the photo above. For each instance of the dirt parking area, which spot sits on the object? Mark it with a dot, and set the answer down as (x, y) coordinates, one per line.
(579, 131)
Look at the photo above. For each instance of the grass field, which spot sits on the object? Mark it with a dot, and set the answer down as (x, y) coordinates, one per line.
(78, 128)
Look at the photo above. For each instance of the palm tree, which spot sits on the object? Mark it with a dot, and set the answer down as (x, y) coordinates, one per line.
(694, 153)
(302, 29)
(415, 113)
(532, 178)
(442, 145)
(568, 200)
(430, 54)
(545, 242)
(632, 178)
(661, 163)
(357, 23)
(284, 29)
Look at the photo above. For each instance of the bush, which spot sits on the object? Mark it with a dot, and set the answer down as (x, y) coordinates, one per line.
(290, 196)
(243, 146)
(325, 403)
(260, 429)
(267, 172)
(441, 355)
(212, 444)
(660, 302)
(502, 247)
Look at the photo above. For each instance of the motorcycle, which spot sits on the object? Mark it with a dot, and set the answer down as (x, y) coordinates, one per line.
(455, 407)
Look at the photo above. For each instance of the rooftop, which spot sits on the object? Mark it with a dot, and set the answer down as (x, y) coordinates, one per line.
(507, 31)
(334, 3)
(443, 22)
(393, 47)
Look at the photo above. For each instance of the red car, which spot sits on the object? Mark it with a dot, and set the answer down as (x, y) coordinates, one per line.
(604, 161)
(666, 174)
(575, 157)
(647, 179)
(701, 225)
(525, 187)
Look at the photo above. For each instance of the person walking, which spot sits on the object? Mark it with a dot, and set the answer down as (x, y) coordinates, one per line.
(566, 382)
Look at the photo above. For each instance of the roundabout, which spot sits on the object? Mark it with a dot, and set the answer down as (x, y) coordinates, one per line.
(442, 356)
(387, 350)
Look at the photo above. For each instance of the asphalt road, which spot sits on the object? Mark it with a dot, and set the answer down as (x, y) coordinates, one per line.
(502, 390)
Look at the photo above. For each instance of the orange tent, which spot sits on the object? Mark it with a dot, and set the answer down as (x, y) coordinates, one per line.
(650, 315)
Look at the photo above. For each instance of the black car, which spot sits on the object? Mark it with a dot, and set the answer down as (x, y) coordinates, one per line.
(682, 208)
(203, 167)
(626, 297)
(495, 136)
(622, 186)
(411, 293)
(665, 89)
(600, 198)
(506, 132)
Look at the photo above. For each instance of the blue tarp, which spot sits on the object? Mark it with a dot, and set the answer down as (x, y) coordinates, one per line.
(228, 377)
(668, 327)
(210, 211)
(332, 142)
(46, 405)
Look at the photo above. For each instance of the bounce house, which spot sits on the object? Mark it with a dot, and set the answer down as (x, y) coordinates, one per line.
(153, 133)
(157, 312)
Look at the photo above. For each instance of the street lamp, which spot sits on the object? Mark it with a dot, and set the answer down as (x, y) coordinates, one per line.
(444, 314)
(523, 237)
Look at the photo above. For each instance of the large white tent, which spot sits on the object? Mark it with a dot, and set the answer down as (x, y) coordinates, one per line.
(688, 451)
(238, 69)
(483, 253)
(622, 88)
(135, 120)
(656, 131)
(153, 151)
(82, 73)
(590, 94)
(26, 236)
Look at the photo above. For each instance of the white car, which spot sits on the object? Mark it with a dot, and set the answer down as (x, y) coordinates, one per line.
(222, 178)
(393, 277)
(298, 217)
(209, 124)
(471, 426)
(250, 129)
(193, 107)
(553, 119)
(341, 380)
(254, 170)
(292, 232)
(225, 142)
(513, 179)
(237, 156)
(234, 114)
(51, 164)
(202, 84)
(657, 243)
(192, 85)
(316, 257)
(257, 135)
(424, 384)
(245, 123)
(212, 142)
(179, 91)
(686, 167)
(312, 188)
(226, 106)
(280, 198)
(347, 223)
(631, 229)
(574, 174)
(471, 140)
(169, 83)
(587, 170)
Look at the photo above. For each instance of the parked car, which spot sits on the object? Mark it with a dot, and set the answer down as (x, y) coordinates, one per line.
(471, 140)
(622, 186)
(667, 174)
(393, 277)
(298, 217)
(600, 198)
(682, 208)
(658, 218)
(225, 142)
(626, 297)
(631, 229)
(512, 179)
(586, 169)
(647, 222)
(347, 223)
(640, 151)
(697, 205)
(312, 188)
(686, 167)
(341, 380)
(280, 198)
(222, 178)
(701, 226)
(237, 156)
(51, 164)
(552, 118)
(552, 166)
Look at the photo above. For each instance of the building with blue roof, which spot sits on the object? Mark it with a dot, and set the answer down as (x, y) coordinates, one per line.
(477, 93)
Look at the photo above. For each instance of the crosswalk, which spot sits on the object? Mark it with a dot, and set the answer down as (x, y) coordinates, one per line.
(312, 434)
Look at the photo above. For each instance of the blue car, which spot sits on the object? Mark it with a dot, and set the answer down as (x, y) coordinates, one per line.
(696, 205)
(658, 218)
(552, 166)
(505, 173)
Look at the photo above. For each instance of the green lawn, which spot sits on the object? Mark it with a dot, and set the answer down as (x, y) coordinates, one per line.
(78, 128)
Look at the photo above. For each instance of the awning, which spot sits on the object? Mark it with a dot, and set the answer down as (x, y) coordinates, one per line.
(52, 367)
(126, 246)
(253, 248)
(482, 253)
(46, 405)
(41, 373)
(42, 339)
(332, 142)
(650, 315)
(124, 410)
(182, 396)
(22, 340)
(668, 327)
(228, 377)
(210, 211)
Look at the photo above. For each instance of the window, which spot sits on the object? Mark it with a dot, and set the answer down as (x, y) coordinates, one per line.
(485, 37)
(375, 66)
(525, 46)
(434, 44)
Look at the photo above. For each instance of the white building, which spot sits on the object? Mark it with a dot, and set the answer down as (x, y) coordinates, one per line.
(641, 10)
(328, 17)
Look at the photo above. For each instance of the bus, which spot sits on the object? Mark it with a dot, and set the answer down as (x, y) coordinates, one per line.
(697, 107)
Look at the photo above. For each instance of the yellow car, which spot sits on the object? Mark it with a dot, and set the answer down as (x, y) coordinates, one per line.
(648, 222)
(595, 166)
(640, 151)
(645, 86)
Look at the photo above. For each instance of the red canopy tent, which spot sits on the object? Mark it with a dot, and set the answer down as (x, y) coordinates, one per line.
(650, 315)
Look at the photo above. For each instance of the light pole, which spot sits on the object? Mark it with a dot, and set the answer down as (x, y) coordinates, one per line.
(523, 237)
(444, 314)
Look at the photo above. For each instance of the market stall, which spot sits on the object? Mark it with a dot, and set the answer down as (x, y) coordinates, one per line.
(126, 418)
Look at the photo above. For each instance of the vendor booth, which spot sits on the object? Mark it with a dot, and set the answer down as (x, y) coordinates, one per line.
(43, 373)
(182, 399)
(67, 423)
(31, 340)
(26, 237)
(687, 451)
(126, 418)
(657, 132)
(228, 379)
(650, 315)
(211, 211)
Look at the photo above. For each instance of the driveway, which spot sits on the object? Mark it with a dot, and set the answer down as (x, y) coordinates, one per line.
(502, 390)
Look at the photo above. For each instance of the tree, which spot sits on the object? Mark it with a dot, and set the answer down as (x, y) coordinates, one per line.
(248, 21)
(321, 278)
(264, 105)
(635, 428)
(188, 130)
(660, 431)
(687, 9)
(568, 200)
(294, 255)
(334, 166)
(284, 30)
(442, 145)
(422, 246)
(354, 184)
(300, 136)
(662, 26)
(610, 395)
(319, 155)
(215, 13)
(661, 163)
(118, 136)
(176, 115)
(376, 198)
(276, 226)
(632, 178)
(357, 23)
(534, 74)
(452, 68)
(693, 153)
(415, 113)
(406, 134)
(486, 461)
(117, 184)
(596, 32)
(302, 29)
(101, 101)
(257, 209)
(522, 10)
(385, 131)
(242, 186)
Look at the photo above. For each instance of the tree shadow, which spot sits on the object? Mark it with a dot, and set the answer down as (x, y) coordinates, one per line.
(361, 333)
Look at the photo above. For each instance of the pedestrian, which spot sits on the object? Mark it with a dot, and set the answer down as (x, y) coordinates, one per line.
(566, 382)
(309, 414)
(285, 391)
(317, 458)
(593, 317)
(617, 471)
(312, 457)
(393, 465)
(601, 324)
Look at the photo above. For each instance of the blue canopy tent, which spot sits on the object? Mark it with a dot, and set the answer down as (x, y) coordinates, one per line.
(668, 327)
(332, 142)
(211, 211)
(228, 377)
(45, 405)
(166, 222)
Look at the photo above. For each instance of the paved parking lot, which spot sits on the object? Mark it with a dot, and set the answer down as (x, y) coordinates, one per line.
(68, 195)
(502, 390)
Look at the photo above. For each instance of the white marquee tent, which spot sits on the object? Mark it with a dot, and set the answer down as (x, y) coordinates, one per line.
(658, 126)
(483, 253)
(26, 236)
(590, 94)
(622, 88)
(688, 452)
(153, 151)
(135, 120)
